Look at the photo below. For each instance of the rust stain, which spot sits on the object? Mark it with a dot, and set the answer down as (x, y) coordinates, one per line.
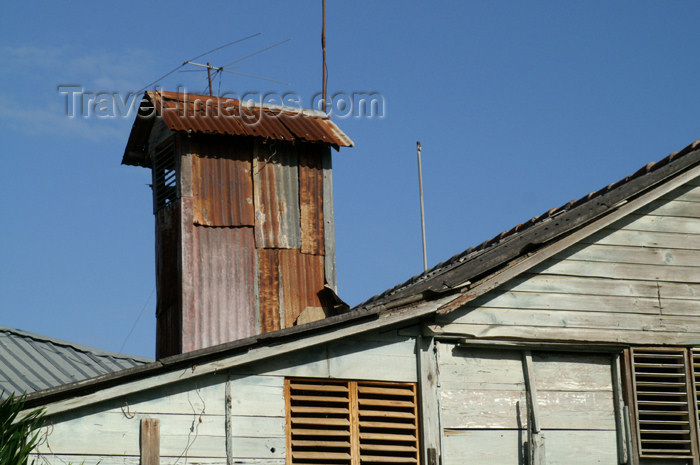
(269, 289)
(222, 184)
(302, 277)
(311, 200)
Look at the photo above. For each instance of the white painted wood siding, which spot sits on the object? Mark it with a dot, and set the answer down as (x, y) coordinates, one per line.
(193, 413)
(637, 281)
(483, 407)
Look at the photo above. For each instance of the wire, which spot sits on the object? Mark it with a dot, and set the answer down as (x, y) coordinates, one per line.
(137, 319)
(198, 56)
(226, 45)
(257, 77)
(159, 79)
(255, 53)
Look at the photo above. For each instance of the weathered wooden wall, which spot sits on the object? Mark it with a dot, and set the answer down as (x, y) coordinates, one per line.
(484, 413)
(195, 415)
(638, 280)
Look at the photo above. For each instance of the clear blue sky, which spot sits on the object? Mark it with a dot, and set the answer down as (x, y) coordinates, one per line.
(520, 106)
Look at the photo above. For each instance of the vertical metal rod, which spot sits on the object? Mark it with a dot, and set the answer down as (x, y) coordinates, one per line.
(209, 76)
(323, 46)
(422, 210)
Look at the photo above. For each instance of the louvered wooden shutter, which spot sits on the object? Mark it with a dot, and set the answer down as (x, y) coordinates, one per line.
(333, 422)
(661, 383)
(318, 422)
(387, 422)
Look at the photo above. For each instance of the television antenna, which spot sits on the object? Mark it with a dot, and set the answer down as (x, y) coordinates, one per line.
(219, 69)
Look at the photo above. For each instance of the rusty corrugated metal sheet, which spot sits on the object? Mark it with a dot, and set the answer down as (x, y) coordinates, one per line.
(222, 183)
(168, 315)
(223, 287)
(269, 289)
(276, 187)
(215, 115)
(311, 200)
(301, 278)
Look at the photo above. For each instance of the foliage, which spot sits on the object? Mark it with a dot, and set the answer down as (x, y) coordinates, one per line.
(18, 436)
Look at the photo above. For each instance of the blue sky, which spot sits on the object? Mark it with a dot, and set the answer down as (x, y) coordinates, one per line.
(519, 106)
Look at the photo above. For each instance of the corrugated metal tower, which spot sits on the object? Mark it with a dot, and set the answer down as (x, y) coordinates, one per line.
(243, 203)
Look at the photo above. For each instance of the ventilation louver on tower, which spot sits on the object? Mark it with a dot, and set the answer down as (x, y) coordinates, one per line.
(164, 175)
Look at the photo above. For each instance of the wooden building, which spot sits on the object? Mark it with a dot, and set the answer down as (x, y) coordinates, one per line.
(572, 339)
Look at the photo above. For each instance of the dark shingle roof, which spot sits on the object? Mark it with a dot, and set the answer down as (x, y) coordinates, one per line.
(31, 362)
(476, 262)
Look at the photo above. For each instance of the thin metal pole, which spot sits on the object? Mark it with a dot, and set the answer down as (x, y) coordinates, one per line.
(422, 210)
(209, 76)
(323, 46)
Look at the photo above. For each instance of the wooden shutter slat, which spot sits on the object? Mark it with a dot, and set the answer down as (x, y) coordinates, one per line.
(385, 390)
(319, 432)
(387, 402)
(391, 437)
(386, 414)
(330, 444)
(320, 399)
(386, 425)
(321, 455)
(387, 459)
(320, 387)
(325, 410)
(388, 447)
(321, 421)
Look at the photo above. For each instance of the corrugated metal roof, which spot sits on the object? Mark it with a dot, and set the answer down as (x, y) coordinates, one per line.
(217, 115)
(31, 362)
(526, 237)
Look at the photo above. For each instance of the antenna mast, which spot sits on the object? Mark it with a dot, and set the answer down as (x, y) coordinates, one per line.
(323, 46)
(209, 76)
(422, 210)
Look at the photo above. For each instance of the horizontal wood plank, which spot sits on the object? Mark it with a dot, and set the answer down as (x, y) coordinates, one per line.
(630, 237)
(630, 254)
(529, 333)
(584, 320)
(680, 274)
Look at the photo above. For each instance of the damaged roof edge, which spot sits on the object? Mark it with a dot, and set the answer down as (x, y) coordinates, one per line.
(528, 236)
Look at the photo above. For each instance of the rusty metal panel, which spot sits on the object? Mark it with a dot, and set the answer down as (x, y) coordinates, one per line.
(301, 278)
(222, 183)
(205, 114)
(276, 188)
(222, 306)
(269, 290)
(168, 286)
(311, 199)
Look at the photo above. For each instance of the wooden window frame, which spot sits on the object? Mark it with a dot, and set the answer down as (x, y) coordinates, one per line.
(636, 395)
(372, 422)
